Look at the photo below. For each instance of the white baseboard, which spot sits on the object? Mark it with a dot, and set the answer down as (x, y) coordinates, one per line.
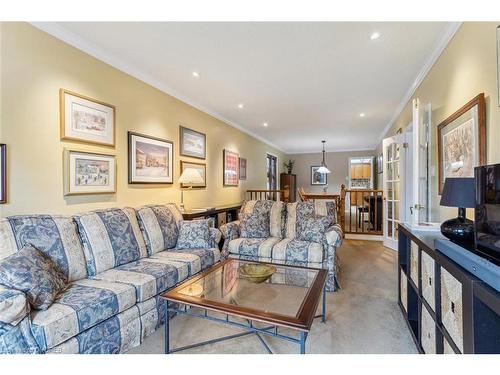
(365, 237)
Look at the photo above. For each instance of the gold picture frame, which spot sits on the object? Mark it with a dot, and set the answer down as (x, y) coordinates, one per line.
(96, 122)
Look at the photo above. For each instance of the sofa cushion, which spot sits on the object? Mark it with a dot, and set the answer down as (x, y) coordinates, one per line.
(110, 238)
(298, 213)
(289, 249)
(55, 236)
(313, 229)
(196, 260)
(273, 212)
(254, 225)
(33, 273)
(147, 276)
(256, 247)
(193, 234)
(81, 306)
(159, 225)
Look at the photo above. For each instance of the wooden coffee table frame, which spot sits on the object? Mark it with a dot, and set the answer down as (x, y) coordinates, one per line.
(302, 322)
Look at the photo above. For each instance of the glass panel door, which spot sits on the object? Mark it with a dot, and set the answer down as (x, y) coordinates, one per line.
(393, 156)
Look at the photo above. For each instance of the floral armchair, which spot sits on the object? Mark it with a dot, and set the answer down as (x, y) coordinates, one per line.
(304, 233)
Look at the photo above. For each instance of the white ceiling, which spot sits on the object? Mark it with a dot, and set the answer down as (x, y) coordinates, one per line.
(308, 81)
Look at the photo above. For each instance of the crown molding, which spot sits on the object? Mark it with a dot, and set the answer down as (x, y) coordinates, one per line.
(80, 43)
(328, 151)
(441, 44)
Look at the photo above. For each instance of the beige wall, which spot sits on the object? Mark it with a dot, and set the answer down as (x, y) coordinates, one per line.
(337, 162)
(34, 66)
(467, 67)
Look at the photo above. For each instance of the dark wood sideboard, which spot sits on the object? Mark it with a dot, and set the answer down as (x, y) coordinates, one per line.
(448, 309)
(288, 182)
(219, 214)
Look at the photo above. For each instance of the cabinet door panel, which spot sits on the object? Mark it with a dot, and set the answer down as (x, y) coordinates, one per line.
(414, 263)
(428, 332)
(452, 307)
(428, 280)
(404, 290)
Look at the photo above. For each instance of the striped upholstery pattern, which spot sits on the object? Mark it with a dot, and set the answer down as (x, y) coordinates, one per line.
(160, 226)
(257, 247)
(55, 236)
(299, 251)
(110, 238)
(298, 212)
(195, 260)
(13, 306)
(81, 306)
(271, 211)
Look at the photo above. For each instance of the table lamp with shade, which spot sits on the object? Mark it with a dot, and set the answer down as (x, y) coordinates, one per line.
(189, 177)
(459, 192)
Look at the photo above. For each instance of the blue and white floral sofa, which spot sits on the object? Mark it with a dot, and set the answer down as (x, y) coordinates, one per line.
(302, 233)
(116, 263)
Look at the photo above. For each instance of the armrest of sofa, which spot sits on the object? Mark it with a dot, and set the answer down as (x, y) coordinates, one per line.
(334, 235)
(215, 237)
(15, 331)
(14, 306)
(230, 231)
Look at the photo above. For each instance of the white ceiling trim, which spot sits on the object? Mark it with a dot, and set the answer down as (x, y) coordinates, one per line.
(319, 150)
(76, 41)
(438, 50)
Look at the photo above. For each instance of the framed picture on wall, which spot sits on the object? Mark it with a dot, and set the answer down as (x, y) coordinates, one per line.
(85, 119)
(243, 169)
(150, 160)
(231, 167)
(89, 173)
(3, 173)
(202, 170)
(193, 143)
(318, 178)
(462, 141)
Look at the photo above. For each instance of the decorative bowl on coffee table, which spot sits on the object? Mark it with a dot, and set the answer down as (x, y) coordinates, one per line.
(256, 273)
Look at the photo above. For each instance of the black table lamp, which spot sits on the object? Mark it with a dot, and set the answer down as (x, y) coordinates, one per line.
(459, 192)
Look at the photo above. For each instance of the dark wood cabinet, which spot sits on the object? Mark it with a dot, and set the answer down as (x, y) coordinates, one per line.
(288, 182)
(447, 309)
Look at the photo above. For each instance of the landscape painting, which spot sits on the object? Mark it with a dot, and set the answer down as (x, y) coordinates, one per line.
(86, 120)
(89, 173)
(193, 143)
(150, 160)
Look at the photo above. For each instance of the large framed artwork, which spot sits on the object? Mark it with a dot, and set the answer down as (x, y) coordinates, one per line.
(318, 178)
(89, 173)
(201, 168)
(243, 169)
(150, 160)
(462, 141)
(193, 143)
(3, 173)
(231, 167)
(85, 119)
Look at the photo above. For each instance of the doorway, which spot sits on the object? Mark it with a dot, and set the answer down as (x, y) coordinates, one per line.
(272, 172)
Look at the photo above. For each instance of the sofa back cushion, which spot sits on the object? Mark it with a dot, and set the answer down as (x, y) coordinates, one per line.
(55, 236)
(299, 214)
(110, 238)
(271, 214)
(160, 226)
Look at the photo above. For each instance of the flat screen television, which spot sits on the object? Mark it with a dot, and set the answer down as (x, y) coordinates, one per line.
(487, 213)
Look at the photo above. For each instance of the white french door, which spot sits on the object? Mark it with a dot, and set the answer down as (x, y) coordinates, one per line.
(394, 192)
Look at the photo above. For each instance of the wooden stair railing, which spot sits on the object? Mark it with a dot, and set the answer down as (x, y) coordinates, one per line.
(273, 195)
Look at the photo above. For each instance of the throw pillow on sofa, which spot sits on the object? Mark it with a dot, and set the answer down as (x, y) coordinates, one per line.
(33, 273)
(194, 234)
(313, 229)
(254, 225)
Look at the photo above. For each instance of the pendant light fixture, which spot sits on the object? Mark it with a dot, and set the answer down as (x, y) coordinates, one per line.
(323, 168)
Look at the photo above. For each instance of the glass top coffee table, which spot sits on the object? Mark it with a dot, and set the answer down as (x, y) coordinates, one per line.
(287, 299)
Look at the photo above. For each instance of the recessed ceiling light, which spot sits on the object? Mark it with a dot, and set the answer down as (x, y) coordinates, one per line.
(375, 35)
(240, 106)
(196, 74)
(361, 115)
(265, 124)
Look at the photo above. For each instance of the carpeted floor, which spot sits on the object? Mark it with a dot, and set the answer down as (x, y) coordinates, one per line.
(363, 317)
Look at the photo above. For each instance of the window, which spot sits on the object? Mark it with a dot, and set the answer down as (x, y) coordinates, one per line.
(272, 172)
